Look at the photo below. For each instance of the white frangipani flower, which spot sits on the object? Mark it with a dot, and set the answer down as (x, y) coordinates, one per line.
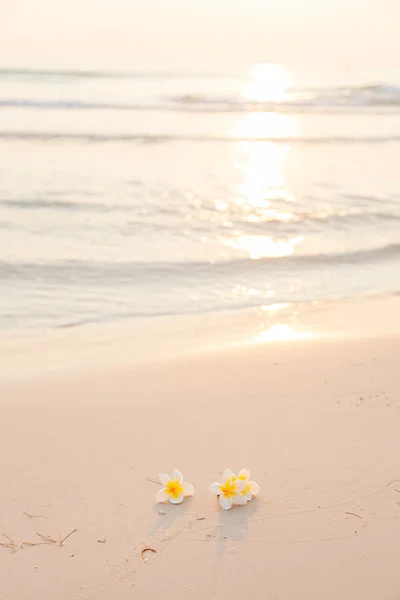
(251, 487)
(230, 490)
(174, 489)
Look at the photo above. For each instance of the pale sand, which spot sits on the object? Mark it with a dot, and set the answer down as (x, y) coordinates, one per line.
(318, 423)
(94, 346)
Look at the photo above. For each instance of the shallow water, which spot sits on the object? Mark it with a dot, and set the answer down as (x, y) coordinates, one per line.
(128, 195)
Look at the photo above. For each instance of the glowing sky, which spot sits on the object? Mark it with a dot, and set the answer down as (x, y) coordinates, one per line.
(199, 33)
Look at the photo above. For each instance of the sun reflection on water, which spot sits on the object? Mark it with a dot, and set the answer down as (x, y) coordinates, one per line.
(268, 82)
(261, 180)
(260, 246)
(265, 126)
(261, 173)
(272, 309)
(283, 332)
(260, 188)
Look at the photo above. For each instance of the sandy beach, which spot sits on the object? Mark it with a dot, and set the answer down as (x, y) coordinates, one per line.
(317, 422)
(199, 270)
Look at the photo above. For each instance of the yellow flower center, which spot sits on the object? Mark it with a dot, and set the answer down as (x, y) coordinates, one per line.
(174, 488)
(246, 490)
(229, 488)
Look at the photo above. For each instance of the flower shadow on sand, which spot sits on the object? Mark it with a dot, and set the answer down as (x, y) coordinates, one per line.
(232, 525)
(169, 513)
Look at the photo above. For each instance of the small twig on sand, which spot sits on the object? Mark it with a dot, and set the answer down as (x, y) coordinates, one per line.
(67, 536)
(33, 516)
(8, 538)
(36, 544)
(48, 539)
(354, 514)
(11, 543)
(148, 550)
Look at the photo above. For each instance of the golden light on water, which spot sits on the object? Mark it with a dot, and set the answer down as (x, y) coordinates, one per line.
(270, 215)
(261, 166)
(261, 174)
(261, 184)
(265, 126)
(283, 332)
(260, 246)
(281, 323)
(273, 309)
(269, 83)
(262, 171)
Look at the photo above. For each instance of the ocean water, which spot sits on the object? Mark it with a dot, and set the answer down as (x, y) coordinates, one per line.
(128, 195)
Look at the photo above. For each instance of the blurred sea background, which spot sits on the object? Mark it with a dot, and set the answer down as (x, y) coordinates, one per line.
(130, 195)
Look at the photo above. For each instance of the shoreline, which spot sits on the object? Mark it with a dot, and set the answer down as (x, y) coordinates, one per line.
(41, 353)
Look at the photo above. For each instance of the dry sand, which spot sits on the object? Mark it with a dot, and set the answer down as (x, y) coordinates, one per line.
(318, 423)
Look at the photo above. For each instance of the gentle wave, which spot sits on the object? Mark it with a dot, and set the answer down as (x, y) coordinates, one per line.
(41, 103)
(48, 136)
(316, 102)
(369, 94)
(301, 218)
(101, 74)
(323, 99)
(73, 269)
(217, 107)
(378, 94)
(43, 204)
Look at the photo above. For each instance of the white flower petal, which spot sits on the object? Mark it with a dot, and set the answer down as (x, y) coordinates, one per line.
(254, 487)
(162, 496)
(239, 499)
(226, 502)
(188, 489)
(240, 485)
(215, 488)
(177, 475)
(248, 496)
(164, 479)
(244, 474)
(227, 476)
(177, 500)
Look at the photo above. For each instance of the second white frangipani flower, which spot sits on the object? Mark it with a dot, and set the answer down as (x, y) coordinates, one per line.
(174, 488)
(251, 487)
(230, 490)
